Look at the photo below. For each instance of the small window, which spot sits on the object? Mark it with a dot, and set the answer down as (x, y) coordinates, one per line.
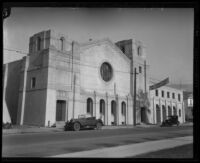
(173, 95)
(33, 82)
(156, 92)
(168, 95)
(140, 69)
(38, 43)
(139, 51)
(62, 43)
(163, 93)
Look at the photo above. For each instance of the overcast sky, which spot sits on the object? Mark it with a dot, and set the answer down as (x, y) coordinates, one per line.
(166, 33)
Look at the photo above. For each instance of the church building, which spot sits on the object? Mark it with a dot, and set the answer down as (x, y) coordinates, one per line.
(61, 79)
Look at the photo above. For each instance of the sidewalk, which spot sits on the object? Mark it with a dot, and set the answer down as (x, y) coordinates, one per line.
(30, 130)
(33, 129)
(130, 150)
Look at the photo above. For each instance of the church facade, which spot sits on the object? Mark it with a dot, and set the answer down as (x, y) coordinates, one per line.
(61, 79)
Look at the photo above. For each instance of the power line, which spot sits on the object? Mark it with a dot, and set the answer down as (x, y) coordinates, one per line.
(80, 64)
(18, 51)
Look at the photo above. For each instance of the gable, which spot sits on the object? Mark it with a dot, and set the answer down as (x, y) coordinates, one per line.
(107, 42)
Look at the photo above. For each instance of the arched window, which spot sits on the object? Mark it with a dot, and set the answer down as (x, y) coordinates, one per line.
(89, 106)
(62, 43)
(164, 112)
(158, 117)
(169, 111)
(174, 110)
(113, 107)
(139, 50)
(123, 107)
(38, 43)
(179, 111)
(102, 106)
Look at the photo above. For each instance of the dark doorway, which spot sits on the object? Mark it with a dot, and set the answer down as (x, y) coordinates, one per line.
(158, 118)
(113, 113)
(123, 112)
(60, 110)
(90, 107)
(169, 111)
(174, 110)
(143, 116)
(102, 110)
(164, 112)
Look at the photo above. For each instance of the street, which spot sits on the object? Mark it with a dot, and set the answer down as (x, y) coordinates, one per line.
(49, 144)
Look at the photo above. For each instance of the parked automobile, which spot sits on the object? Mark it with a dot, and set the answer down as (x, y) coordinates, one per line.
(170, 121)
(83, 122)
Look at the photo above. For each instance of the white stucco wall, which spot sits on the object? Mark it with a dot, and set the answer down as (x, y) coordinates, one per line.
(91, 80)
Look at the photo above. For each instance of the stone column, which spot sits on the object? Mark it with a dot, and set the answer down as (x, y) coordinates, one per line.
(161, 116)
(154, 121)
(24, 90)
(94, 111)
(117, 108)
(172, 109)
(166, 108)
(183, 111)
(6, 115)
(127, 110)
(106, 110)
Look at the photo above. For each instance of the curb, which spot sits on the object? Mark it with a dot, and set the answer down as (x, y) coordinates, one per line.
(46, 130)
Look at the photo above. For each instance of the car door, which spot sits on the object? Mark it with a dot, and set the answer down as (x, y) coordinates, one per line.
(91, 121)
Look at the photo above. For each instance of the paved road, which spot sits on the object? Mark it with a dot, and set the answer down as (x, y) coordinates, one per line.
(49, 144)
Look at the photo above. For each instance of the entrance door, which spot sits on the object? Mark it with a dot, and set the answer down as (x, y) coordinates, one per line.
(113, 113)
(158, 117)
(60, 110)
(143, 114)
(164, 113)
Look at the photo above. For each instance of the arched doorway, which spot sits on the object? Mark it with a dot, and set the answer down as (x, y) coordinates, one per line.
(113, 113)
(102, 110)
(164, 112)
(158, 117)
(123, 112)
(90, 107)
(169, 111)
(174, 110)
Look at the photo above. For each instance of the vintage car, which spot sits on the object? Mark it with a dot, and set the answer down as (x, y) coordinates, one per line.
(170, 121)
(83, 122)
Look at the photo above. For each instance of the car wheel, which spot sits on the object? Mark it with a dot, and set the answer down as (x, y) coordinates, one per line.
(76, 126)
(99, 126)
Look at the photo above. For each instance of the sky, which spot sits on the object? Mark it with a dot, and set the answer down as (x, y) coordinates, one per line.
(166, 33)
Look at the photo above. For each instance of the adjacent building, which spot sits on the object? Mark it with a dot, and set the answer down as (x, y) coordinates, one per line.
(61, 79)
(166, 101)
(188, 102)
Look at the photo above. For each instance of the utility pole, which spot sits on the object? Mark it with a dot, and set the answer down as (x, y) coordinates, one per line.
(145, 77)
(73, 80)
(134, 101)
(72, 76)
(74, 94)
